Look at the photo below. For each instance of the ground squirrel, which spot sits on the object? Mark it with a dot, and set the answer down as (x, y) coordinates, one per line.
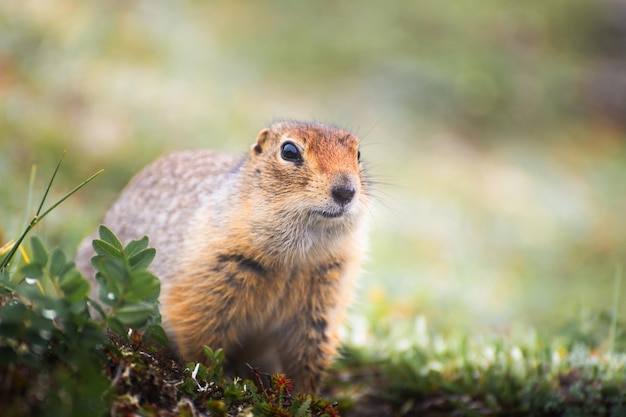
(257, 255)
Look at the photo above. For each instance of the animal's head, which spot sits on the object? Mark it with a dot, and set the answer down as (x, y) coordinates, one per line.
(310, 169)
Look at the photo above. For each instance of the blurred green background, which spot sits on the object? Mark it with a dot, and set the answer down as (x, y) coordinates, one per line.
(496, 131)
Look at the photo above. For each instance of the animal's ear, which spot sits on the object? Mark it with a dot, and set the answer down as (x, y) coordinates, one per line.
(261, 141)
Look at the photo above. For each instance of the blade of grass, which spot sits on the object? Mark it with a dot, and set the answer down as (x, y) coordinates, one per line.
(54, 174)
(31, 188)
(616, 289)
(69, 194)
(7, 258)
(34, 221)
(29, 204)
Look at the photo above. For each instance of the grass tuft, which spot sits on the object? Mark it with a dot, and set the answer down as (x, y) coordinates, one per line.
(481, 376)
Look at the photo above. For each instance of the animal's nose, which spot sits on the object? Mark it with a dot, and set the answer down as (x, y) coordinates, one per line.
(343, 194)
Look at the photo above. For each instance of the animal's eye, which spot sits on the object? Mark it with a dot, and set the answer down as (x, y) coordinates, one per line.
(358, 155)
(289, 152)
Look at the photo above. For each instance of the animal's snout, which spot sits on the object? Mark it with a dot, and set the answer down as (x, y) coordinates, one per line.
(343, 194)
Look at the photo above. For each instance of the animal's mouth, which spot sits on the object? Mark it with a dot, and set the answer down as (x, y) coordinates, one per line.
(331, 214)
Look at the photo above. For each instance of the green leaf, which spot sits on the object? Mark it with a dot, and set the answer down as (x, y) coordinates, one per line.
(103, 248)
(216, 407)
(57, 262)
(68, 267)
(78, 308)
(219, 356)
(32, 270)
(14, 312)
(133, 315)
(135, 246)
(142, 286)
(109, 237)
(301, 410)
(8, 286)
(44, 324)
(208, 352)
(49, 308)
(96, 260)
(156, 333)
(105, 295)
(114, 270)
(142, 259)
(74, 286)
(40, 255)
(117, 327)
(97, 307)
(112, 276)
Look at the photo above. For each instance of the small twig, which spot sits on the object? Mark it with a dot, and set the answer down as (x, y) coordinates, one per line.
(118, 374)
(259, 377)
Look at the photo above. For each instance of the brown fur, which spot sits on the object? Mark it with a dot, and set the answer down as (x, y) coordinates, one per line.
(255, 255)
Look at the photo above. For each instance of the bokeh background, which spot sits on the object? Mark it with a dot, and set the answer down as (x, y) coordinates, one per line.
(496, 132)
